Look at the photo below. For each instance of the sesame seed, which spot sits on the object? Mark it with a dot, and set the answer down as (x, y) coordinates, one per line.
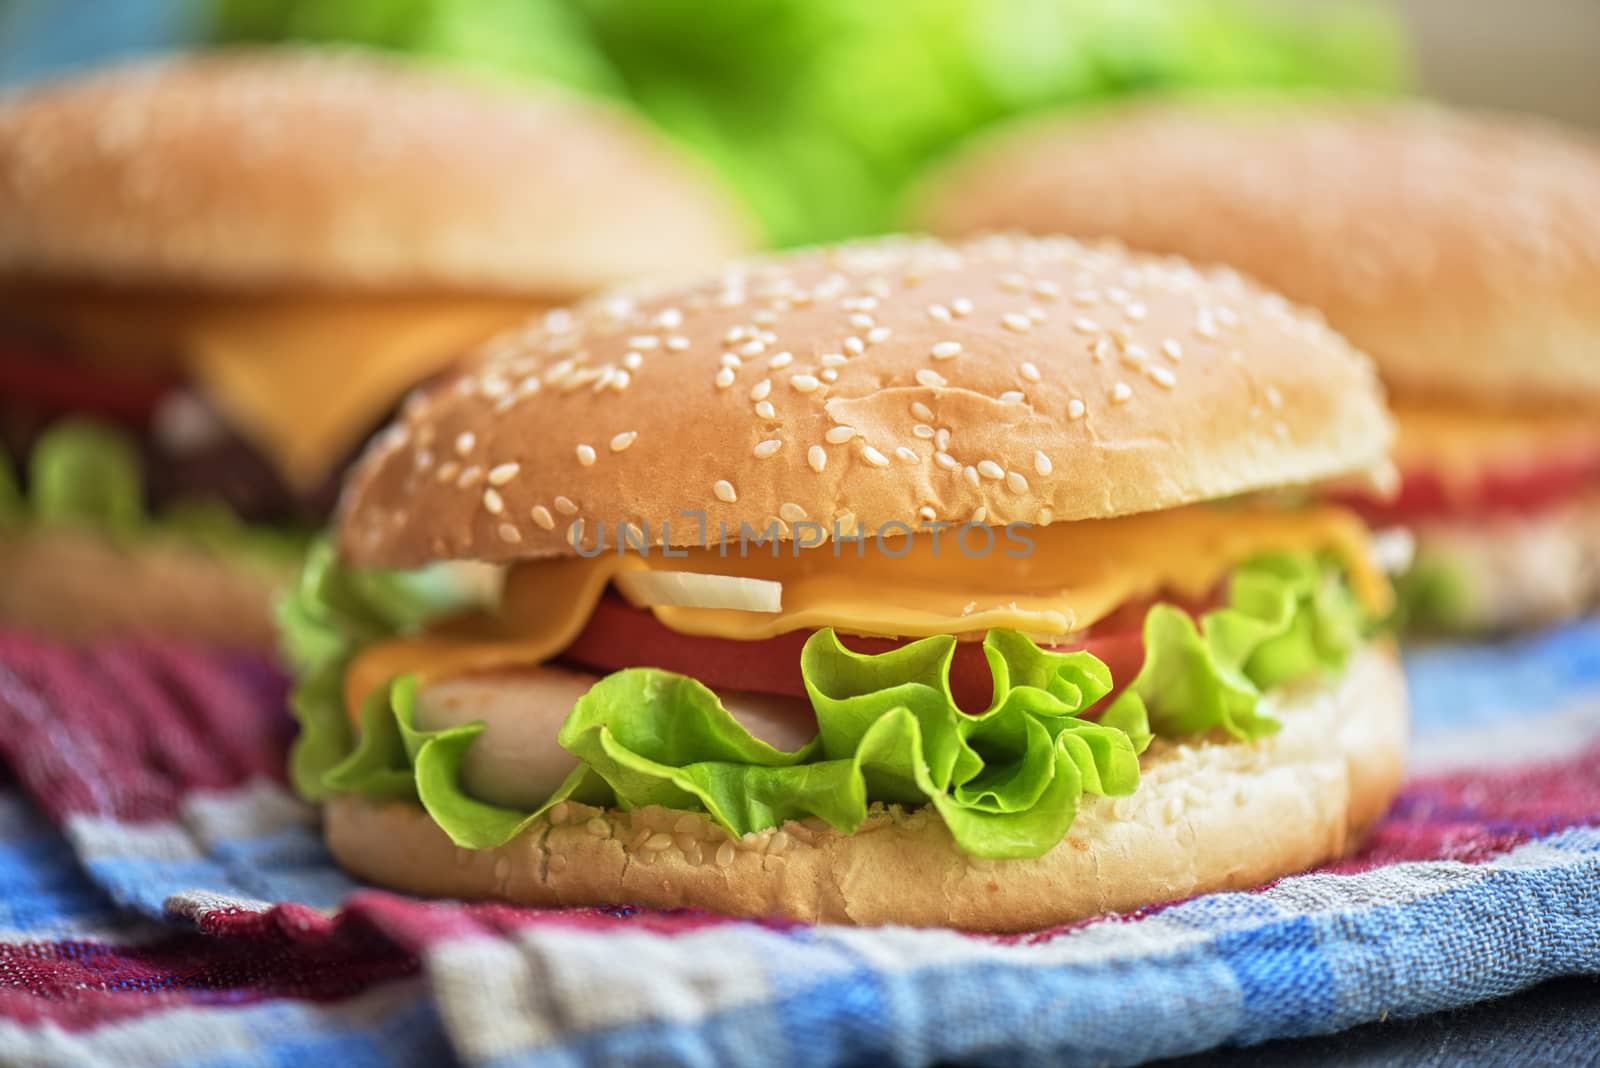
(941, 437)
(633, 361)
(1013, 396)
(1161, 377)
(724, 491)
(1075, 409)
(760, 390)
(1016, 322)
(945, 460)
(926, 513)
(790, 512)
(1042, 463)
(961, 306)
(447, 471)
(838, 435)
(1084, 325)
(1013, 282)
(854, 346)
(946, 350)
(980, 514)
(922, 430)
(1046, 289)
(878, 335)
(677, 343)
(939, 312)
(566, 506)
(874, 457)
(862, 321)
(1135, 356)
(817, 457)
(493, 502)
(731, 360)
(1172, 350)
(805, 383)
(768, 448)
(1043, 517)
(724, 378)
(670, 318)
(1121, 393)
(1103, 349)
(766, 411)
(753, 348)
(1016, 483)
(930, 378)
(780, 361)
(1037, 314)
(922, 411)
(470, 476)
(1206, 329)
(623, 440)
(1135, 312)
(586, 455)
(464, 442)
(829, 374)
(990, 469)
(1274, 397)
(1086, 298)
(509, 533)
(970, 473)
(643, 341)
(500, 474)
(541, 515)
(906, 455)
(1029, 372)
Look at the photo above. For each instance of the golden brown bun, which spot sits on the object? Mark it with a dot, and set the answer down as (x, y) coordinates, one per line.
(1214, 815)
(293, 169)
(79, 584)
(1461, 251)
(1195, 386)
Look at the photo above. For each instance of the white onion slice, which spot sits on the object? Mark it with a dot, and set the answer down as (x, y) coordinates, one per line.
(687, 589)
(1393, 549)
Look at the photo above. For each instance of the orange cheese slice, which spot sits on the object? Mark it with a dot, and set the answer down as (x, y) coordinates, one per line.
(1065, 578)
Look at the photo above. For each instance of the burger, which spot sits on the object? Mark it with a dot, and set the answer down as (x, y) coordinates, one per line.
(1462, 251)
(896, 582)
(220, 272)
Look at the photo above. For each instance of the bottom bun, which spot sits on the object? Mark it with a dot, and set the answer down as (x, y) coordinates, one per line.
(1517, 571)
(1208, 815)
(79, 584)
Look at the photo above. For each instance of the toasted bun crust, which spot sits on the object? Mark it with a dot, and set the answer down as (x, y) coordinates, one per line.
(1215, 815)
(79, 584)
(1461, 251)
(1519, 571)
(297, 169)
(897, 381)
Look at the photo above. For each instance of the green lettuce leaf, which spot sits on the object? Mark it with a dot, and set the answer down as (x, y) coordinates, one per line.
(331, 612)
(1288, 616)
(1007, 782)
(85, 473)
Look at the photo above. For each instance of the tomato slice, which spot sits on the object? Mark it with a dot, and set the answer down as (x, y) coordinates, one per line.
(620, 636)
(1524, 489)
(57, 383)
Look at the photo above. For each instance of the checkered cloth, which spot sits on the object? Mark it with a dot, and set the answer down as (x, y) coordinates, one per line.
(165, 900)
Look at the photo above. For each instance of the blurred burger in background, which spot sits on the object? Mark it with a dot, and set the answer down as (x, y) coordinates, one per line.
(1461, 251)
(220, 272)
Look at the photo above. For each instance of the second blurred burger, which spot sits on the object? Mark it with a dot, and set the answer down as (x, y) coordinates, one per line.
(219, 274)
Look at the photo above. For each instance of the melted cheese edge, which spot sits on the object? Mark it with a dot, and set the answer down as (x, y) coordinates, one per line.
(1075, 575)
(1459, 444)
(304, 379)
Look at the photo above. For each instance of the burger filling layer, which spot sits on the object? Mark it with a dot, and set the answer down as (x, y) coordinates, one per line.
(1504, 507)
(998, 690)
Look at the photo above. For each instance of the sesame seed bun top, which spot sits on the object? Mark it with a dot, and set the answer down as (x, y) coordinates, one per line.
(1461, 251)
(894, 381)
(306, 169)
